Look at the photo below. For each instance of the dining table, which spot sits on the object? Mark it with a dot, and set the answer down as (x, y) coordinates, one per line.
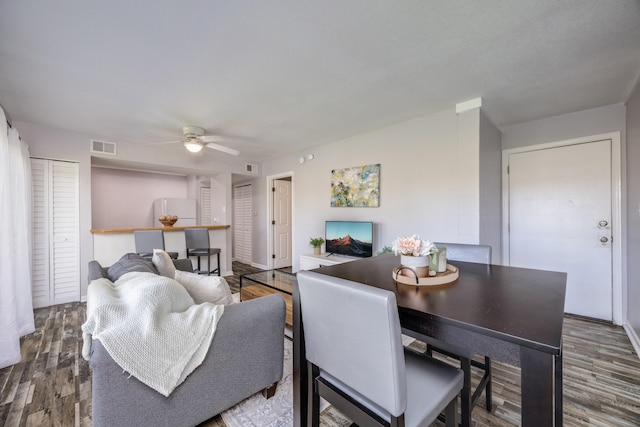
(510, 314)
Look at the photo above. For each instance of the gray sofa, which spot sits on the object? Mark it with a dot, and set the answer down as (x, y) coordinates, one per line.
(245, 357)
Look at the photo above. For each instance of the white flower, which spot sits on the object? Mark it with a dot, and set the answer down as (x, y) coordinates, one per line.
(413, 246)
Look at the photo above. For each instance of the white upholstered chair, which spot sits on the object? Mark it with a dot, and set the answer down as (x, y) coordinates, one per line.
(357, 361)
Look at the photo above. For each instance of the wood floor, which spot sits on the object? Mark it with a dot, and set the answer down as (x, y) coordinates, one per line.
(51, 386)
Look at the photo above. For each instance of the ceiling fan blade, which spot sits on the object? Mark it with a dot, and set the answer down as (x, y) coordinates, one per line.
(211, 138)
(223, 149)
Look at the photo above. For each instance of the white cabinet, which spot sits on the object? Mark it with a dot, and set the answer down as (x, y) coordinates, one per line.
(56, 232)
(309, 262)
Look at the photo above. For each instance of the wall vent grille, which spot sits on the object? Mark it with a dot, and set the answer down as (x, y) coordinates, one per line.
(251, 168)
(103, 147)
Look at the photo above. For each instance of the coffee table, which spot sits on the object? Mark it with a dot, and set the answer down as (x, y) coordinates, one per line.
(255, 285)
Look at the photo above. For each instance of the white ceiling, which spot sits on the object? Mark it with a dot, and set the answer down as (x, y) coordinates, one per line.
(274, 77)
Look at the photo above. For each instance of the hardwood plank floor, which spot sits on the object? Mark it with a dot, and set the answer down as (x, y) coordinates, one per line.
(51, 386)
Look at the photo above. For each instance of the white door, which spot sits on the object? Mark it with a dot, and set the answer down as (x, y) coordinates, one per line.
(56, 269)
(282, 223)
(560, 212)
(242, 223)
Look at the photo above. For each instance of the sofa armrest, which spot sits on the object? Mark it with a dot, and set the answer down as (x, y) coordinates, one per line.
(96, 271)
(245, 357)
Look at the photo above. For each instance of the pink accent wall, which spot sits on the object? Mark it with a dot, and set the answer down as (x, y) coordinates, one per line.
(124, 199)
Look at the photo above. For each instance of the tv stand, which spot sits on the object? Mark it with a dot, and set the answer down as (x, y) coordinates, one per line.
(309, 262)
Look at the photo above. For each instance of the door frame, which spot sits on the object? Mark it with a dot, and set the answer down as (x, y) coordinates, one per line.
(270, 217)
(616, 209)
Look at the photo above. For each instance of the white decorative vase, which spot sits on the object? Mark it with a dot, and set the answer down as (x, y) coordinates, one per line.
(418, 264)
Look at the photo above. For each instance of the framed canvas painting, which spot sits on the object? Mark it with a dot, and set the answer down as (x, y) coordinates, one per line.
(356, 187)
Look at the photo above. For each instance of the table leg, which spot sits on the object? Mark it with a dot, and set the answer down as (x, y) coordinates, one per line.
(558, 390)
(538, 375)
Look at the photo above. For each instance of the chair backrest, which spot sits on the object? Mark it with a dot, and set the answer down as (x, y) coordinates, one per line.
(352, 331)
(196, 238)
(148, 240)
(480, 254)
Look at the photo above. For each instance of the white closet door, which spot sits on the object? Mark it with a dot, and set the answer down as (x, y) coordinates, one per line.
(56, 255)
(205, 206)
(242, 221)
(40, 270)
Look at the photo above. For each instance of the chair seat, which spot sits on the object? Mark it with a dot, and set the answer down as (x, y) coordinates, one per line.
(203, 251)
(149, 255)
(423, 403)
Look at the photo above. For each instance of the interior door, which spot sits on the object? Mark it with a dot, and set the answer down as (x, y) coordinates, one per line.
(242, 223)
(56, 238)
(560, 219)
(282, 223)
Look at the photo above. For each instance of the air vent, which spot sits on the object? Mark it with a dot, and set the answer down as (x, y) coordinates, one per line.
(250, 168)
(103, 147)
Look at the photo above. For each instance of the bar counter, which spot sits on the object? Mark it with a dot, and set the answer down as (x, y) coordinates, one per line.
(110, 244)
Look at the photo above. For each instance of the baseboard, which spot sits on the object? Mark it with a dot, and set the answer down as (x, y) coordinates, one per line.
(633, 337)
(83, 298)
(260, 266)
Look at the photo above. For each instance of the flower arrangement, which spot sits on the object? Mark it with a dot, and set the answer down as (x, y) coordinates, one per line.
(413, 246)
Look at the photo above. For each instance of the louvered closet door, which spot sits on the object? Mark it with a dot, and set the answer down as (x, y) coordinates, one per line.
(205, 206)
(242, 221)
(56, 269)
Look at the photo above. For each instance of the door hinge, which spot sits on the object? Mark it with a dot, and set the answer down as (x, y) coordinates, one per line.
(273, 222)
(273, 189)
(508, 169)
(273, 256)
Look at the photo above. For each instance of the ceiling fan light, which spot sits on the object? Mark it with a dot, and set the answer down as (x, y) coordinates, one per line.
(193, 145)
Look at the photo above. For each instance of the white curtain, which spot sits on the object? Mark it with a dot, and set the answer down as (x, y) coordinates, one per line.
(16, 308)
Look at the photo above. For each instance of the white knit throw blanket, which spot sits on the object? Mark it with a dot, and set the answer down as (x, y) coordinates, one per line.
(150, 326)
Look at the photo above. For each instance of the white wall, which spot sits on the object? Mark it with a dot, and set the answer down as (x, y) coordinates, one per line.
(57, 144)
(633, 210)
(490, 188)
(124, 199)
(419, 188)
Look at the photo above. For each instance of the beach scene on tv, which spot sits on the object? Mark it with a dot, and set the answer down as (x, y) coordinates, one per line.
(350, 238)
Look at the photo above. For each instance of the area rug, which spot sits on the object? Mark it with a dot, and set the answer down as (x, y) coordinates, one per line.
(277, 411)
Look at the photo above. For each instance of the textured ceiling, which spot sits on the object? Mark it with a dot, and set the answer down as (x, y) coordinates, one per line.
(276, 77)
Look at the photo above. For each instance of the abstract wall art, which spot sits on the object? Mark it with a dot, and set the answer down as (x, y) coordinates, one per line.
(356, 187)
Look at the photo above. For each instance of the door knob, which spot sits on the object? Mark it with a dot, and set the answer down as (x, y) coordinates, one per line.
(603, 239)
(603, 223)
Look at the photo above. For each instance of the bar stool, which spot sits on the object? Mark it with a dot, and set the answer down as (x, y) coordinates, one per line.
(148, 240)
(197, 240)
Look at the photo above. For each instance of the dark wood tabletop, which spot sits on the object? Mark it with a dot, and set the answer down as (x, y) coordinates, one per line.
(517, 305)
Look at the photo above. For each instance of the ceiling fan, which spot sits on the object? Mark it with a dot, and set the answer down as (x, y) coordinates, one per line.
(195, 139)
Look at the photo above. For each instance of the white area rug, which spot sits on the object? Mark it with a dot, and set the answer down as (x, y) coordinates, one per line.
(257, 411)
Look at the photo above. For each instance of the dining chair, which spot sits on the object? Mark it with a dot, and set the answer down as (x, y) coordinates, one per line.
(197, 242)
(480, 254)
(148, 240)
(357, 362)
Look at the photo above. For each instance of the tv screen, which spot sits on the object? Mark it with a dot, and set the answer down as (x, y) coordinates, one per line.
(353, 238)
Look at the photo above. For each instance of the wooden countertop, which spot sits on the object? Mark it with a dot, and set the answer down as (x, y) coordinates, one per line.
(131, 230)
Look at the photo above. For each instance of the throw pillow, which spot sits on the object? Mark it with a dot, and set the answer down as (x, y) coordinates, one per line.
(163, 263)
(211, 289)
(129, 262)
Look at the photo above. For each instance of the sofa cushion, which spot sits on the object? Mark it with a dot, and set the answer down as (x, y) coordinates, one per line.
(163, 262)
(211, 289)
(127, 263)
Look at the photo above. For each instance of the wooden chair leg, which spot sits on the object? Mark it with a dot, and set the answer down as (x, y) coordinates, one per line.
(488, 390)
(270, 391)
(451, 413)
(465, 393)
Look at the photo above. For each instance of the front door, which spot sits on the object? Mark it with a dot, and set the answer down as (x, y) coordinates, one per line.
(560, 213)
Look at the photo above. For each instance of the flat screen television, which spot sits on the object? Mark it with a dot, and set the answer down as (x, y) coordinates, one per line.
(352, 238)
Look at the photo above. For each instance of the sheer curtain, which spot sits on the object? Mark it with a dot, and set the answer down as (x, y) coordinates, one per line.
(16, 309)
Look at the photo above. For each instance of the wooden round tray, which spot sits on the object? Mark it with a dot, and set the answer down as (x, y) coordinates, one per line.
(448, 276)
